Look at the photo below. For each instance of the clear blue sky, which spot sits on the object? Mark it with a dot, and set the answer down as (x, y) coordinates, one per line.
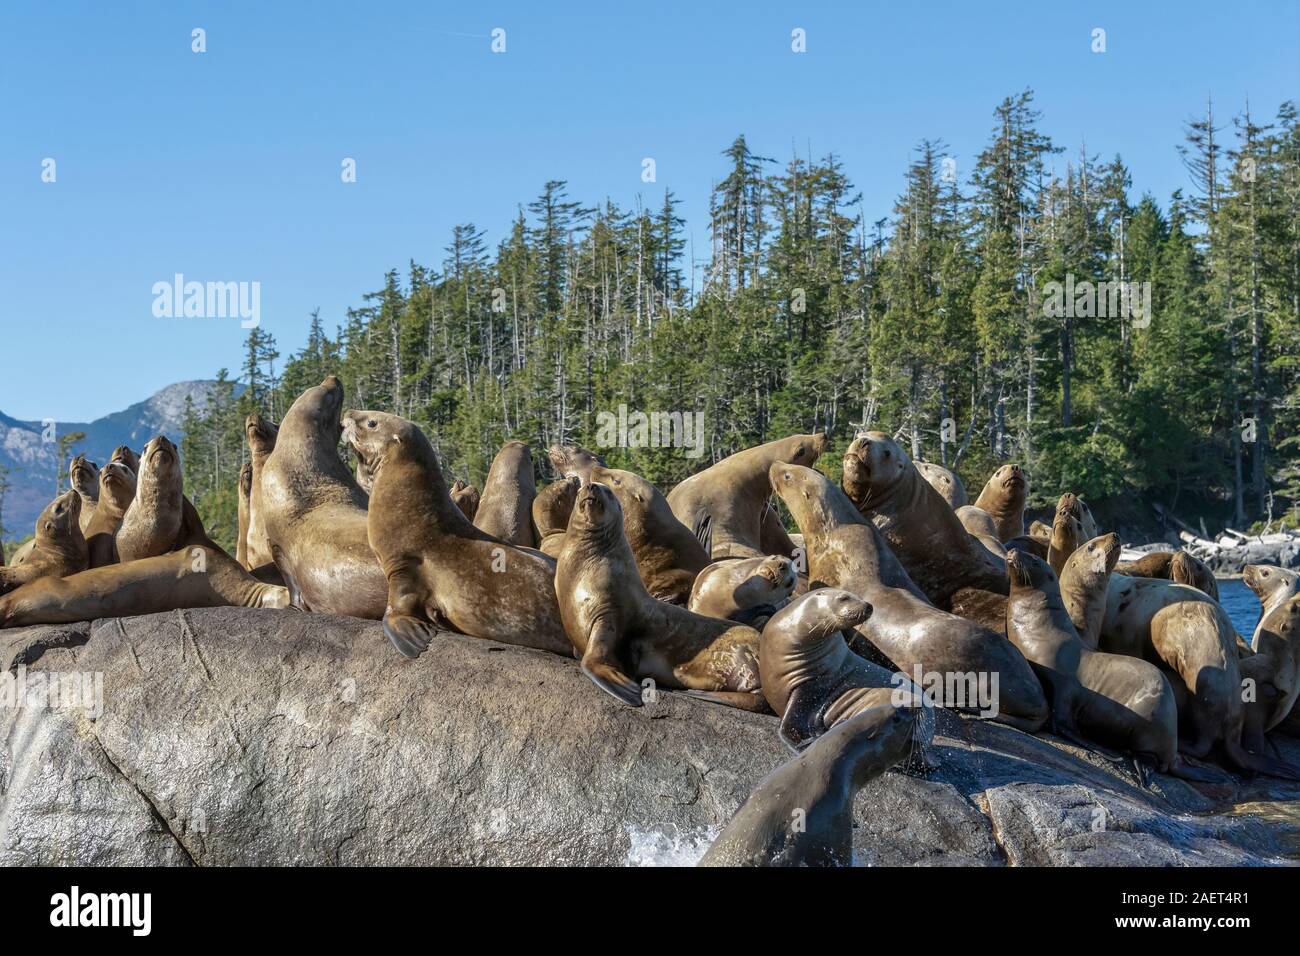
(225, 165)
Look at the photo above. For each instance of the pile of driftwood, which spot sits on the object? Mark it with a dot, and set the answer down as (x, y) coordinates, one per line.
(1232, 550)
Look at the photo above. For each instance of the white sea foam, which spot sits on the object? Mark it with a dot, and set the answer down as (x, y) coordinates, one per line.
(669, 845)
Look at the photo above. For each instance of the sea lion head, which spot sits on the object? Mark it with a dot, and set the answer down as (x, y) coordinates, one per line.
(873, 463)
(780, 574)
(125, 455)
(84, 474)
(1067, 528)
(1263, 579)
(595, 509)
(261, 433)
(792, 483)
(160, 465)
(1028, 570)
(59, 517)
(466, 497)
(805, 449)
(1012, 483)
(573, 460)
(117, 482)
(321, 406)
(554, 504)
(841, 609)
(373, 435)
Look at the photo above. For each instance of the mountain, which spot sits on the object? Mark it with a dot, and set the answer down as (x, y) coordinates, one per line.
(30, 450)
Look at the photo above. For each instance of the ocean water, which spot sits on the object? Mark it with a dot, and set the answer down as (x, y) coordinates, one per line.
(1242, 606)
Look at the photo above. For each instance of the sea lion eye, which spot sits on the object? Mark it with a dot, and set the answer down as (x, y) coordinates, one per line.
(372, 424)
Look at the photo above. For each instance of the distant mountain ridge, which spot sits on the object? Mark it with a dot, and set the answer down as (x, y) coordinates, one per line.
(32, 459)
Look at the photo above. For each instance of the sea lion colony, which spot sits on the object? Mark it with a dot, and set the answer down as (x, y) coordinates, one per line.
(899, 587)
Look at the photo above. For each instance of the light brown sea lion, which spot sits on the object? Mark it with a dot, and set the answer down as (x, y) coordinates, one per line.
(624, 636)
(980, 525)
(126, 456)
(440, 569)
(945, 481)
(1084, 584)
(926, 535)
(262, 434)
(467, 499)
(551, 510)
(802, 813)
(1273, 586)
(668, 556)
(1040, 532)
(846, 551)
(84, 475)
(315, 512)
(1177, 566)
(198, 575)
(116, 492)
(157, 520)
(23, 551)
(59, 549)
(1067, 532)
(1003, 498)
(725, 504)
(1275, 670)
(505, 509)
(744, 589)
(245, 492)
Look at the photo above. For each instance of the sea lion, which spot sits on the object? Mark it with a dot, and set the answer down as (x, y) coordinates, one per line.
(846, 551)
(116, 492)
(773, 538)
(22, 553)
(668, 556)
(59, 549)
(84, 476)
(126, 456)
(742, 589)
(802, 813)
(1273, 586)
(198, 575)
(315, 512)
(439, 568)
(1039, 531)
(726, 503)
(1084, 584)
(1180, 567)
(945, 481)
(551, 510)
(1067, 532)
(245, 492)
(365, 480)
(1003, 498)
(980, 525)
(925, 534)
(262, 434)
(505, 509)
(156, 520)
(467, 499)
(624, 636)
(1275, 669)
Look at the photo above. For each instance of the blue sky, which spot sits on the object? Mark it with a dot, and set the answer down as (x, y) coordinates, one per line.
(225, 166)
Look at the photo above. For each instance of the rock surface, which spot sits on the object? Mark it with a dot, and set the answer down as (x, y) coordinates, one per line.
(234, 736)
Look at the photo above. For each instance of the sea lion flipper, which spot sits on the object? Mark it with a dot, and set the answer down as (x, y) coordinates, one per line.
(598, 664)
(797, 726)
(408, 634)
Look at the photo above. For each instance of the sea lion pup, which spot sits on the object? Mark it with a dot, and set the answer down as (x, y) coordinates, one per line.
(1273, 586)
(84, 476)
(551, 510)
(261, 434)
(744, 589)
(467, 499)
(980, 525)
(126, 456)
(1067, 532)
(440, 569)
(926, 535)
(1177, 566)
(809, 675)
(245, 492)
(821, 782)
(668, 556)
(623, 635)
(724, 503)
(945, 481)
(505, 509)
(1003, 498)
(60, 547)
(116, 492)
(315, 512)
(847, 551)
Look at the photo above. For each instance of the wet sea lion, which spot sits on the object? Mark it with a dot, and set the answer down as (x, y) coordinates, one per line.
(1177, 566)
(741, 589)
(116, 492)
(84, 475)
(315, 512)
(726, 503)
(802, 813)
(505, 509)
(1273, 586)
(467, 498)
(59, 547)
(156, 520)
(922, 531)
(551, 510)
(245, 493)
(945, 481)
(846, 551)
(624, 636)
(1003, 498)
(440, 569)
(262, 434)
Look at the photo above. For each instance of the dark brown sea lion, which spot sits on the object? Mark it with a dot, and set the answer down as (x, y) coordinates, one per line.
(1003, 498)
(126, 456)
(846, 551)
(802, 813)
(245, 492)
(159, 518)
(467, 498)
(726, 503)
(84, 475)
(315, 512)
(625, 636)
(1273, 586)
(505, 508)
(551, 510)
(261, 434)
(917, 523)
(742, 589)
(116, 492)
(440, 569)
(945, 481)
(59, 549)
(1177, 566)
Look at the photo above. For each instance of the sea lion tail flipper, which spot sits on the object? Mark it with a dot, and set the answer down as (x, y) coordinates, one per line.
(755, 703)
(1184, 770)
(1258, 763)
(408, 634)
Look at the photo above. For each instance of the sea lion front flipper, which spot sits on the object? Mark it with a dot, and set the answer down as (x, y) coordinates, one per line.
(410, 635)
(295, 595)
(598, 664)
(798, 726)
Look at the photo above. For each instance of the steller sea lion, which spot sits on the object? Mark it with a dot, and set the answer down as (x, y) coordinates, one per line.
(773, 538)
(1275, 669)
(439, 568)
(945, 481)
(505, 509)
(1040, 532)
(979, 524)
(1003, 499)
(1273, 586)
(59, 548)
(1067, 532)
(467, 498)
(261, 434)
(624, 636)
(846, 551)
(1177, 566)
(84, 475)
(551, 510)
(743, 589)
(159, 518)
(726, 502)
(802, 813)
(245, 492)
(315, 512)
(126, 456)
(116, 492)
